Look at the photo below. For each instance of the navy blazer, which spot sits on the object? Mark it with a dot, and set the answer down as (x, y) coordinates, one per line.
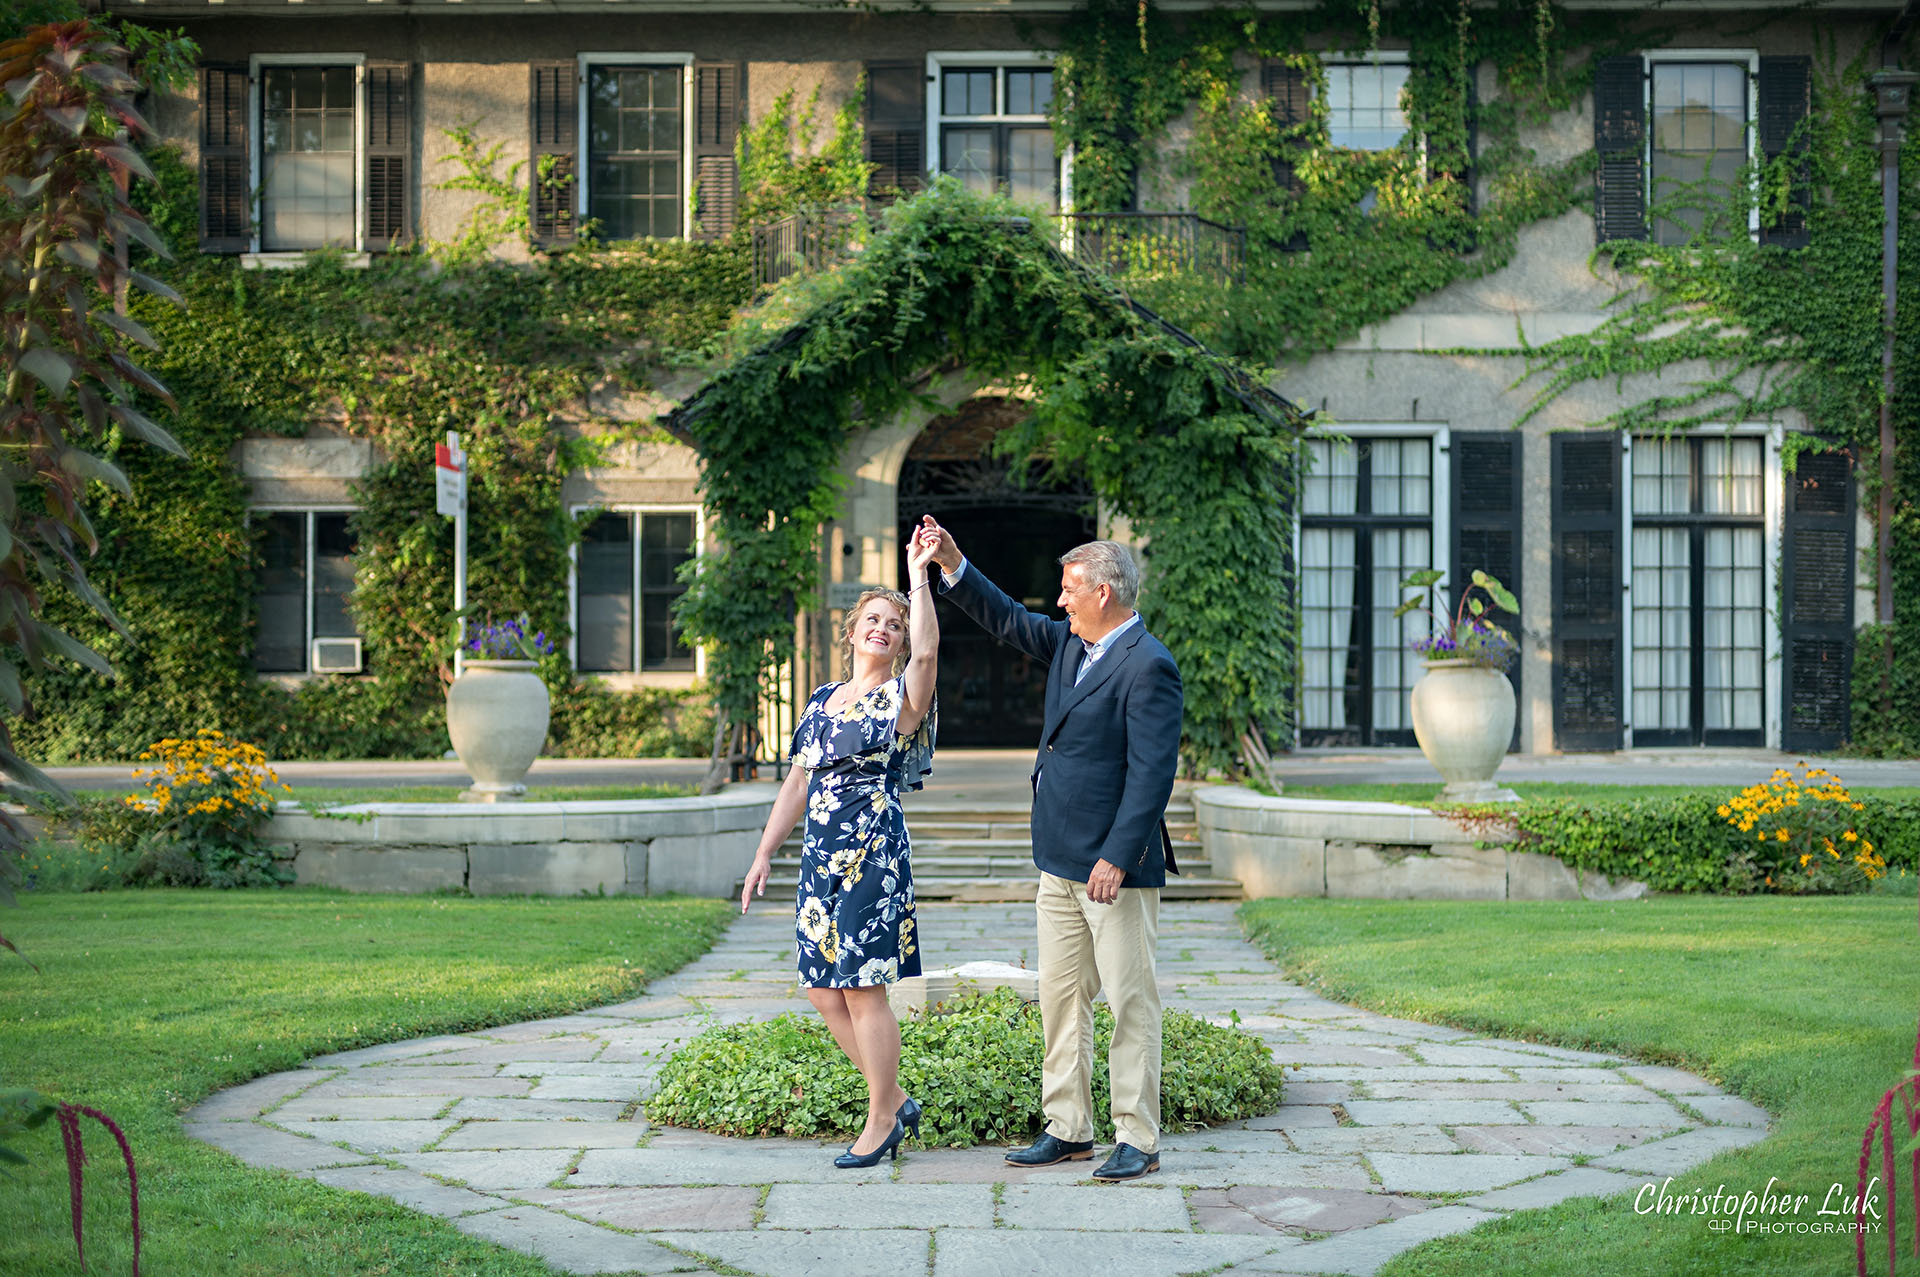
(1110, 747)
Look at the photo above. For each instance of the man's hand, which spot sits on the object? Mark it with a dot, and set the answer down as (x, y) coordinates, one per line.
(947, 553)
(1103, 884)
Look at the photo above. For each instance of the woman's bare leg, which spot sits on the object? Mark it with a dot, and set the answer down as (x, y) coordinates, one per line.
(832, 1006)
(878, 1036)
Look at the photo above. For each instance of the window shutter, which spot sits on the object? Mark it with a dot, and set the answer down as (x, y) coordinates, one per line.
(1485, 470)
(1620, 138)
(554, 124)
(896, 123)
(718, 90)
(1786, 97)
(1587, 687)
(389, 151)
(1289, 96)
(1816, 586)
(226, 177)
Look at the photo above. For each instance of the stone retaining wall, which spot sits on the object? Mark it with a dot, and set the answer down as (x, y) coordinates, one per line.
(695, 846)
(1386, 851)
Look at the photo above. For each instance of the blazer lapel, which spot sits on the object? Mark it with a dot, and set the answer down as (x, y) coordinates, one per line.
(1100, 673)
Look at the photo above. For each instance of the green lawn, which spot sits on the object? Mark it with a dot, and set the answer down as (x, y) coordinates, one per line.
(1419, 794)
(148, 1001)
(1806, 1006)
(336, 795)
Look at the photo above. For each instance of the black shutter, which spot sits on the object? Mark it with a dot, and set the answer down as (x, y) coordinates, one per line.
(718, 91)
(389, 152)
(896, 124)
(554, 124)
(1485, 471)
(1289, 95)
(226, 177)
(1786, 96)
(1620, 138)
(1587, 683)
(1816, 587)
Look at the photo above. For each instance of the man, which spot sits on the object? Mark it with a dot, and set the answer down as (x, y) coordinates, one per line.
(1108, 753)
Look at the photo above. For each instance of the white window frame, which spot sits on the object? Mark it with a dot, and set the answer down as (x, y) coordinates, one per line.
(1440, 507)
(1772, 478)
(1651, 57)
(584, 63)
(635, 677)
(255, 65)
(1000, 60)
(1380, 57)
(307, 510)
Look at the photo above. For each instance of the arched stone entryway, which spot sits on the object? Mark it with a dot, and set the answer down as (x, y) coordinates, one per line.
(1014, 528)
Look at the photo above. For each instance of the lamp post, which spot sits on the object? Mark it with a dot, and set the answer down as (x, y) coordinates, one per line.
(1892, 96)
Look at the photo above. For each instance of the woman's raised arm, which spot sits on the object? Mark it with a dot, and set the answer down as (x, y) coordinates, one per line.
(923, 633)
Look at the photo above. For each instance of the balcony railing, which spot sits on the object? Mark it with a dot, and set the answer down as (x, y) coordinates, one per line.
(1127, 246)
(1146, 245)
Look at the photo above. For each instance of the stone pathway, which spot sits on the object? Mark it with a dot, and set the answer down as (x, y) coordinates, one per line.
(1393, 1132)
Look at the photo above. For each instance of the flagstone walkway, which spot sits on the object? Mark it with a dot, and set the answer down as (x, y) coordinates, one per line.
(1392, 1133)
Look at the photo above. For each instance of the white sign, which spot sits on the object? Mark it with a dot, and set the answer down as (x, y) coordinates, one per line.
(449, 480)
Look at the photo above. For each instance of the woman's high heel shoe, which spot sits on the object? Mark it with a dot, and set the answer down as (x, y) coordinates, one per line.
(909, 1116)
(851, 1161)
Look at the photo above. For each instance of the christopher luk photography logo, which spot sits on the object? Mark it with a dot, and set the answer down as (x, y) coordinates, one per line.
(1837, 1208)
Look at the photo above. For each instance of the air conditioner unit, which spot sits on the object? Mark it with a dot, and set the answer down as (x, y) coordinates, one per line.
(336, 656)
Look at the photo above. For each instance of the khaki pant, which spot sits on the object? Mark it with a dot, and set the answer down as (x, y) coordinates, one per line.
(1084, 947)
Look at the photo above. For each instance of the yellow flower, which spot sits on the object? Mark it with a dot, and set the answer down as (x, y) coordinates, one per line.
(1723, 810)
(1850, 836)
(1782, 835)
(1804, 858)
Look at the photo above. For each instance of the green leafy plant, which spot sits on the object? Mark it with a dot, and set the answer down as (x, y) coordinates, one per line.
(974, 1061)
(1468, 635)
(24, 1110)
(1804, 832)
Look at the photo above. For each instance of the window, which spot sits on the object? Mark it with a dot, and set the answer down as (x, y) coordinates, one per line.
(1365, 111)
(636, 134)
(1366, 522)
(628, 570)
(993, 128)
(305, 582)
(1699, 143)
(1698, 590)
(308, 158)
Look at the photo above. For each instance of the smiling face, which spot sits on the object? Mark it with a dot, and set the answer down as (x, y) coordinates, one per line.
(1085, 605)
(876, 629)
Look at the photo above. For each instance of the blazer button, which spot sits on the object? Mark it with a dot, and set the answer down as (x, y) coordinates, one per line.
(1049, 749)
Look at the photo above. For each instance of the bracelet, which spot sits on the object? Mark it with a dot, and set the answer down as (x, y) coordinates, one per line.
(923, 585)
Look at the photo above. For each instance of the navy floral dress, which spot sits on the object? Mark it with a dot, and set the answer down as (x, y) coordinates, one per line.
(855, 905)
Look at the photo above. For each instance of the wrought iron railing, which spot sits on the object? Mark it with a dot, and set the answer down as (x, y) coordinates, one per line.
(806, 240)
(1137, 245)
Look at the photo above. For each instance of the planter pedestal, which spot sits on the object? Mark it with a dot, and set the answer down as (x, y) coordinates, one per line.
(1463, 719)
(497, 718)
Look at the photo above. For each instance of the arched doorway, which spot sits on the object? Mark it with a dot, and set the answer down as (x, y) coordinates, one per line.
(991, 695)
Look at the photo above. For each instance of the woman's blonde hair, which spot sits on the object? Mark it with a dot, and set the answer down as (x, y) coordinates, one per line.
(894, 597)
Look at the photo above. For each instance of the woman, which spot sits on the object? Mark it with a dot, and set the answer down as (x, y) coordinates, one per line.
(857, 745)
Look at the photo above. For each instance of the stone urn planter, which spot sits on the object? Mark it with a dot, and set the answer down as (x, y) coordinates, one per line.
(497, 716)
(1463, 719)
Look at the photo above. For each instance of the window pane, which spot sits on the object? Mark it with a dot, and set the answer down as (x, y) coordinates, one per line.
(1364, 105)
(604, 627)
(1662, 627)
(635, 136)
(1699, 144)
(1662, 475)
(1332, 484)
(1029, 92)
(1327, 622)
(666, 542)
(967, 92)
(280, 642)
(1396, 553)
(969, 157)
(332, 577)
(1730, 476)
(1030, 166)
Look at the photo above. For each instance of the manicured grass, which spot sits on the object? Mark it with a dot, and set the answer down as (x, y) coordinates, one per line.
(1806, 1006)
(1420, 794)
(148, 1001)
(337, 795)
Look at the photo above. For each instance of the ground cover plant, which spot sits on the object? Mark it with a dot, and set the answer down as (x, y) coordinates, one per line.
(1804, 1006)
(980, 1057)
(145, 1002)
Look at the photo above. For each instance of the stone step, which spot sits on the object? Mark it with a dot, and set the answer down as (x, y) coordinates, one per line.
(1184, 887)
(928, 867)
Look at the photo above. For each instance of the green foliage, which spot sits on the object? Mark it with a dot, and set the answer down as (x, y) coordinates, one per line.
(503, 212)
(951, 280)
(977, 1060)
(782, 169)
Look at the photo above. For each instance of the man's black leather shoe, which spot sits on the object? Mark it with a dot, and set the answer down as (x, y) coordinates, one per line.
(1047, 1150)
(1127, 1162)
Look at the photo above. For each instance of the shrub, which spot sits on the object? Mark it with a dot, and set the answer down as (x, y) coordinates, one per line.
(976, 1067)
(1806, 839)
(196, 824)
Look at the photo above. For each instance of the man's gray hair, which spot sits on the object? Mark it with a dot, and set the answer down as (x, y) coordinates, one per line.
(1107, 563)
